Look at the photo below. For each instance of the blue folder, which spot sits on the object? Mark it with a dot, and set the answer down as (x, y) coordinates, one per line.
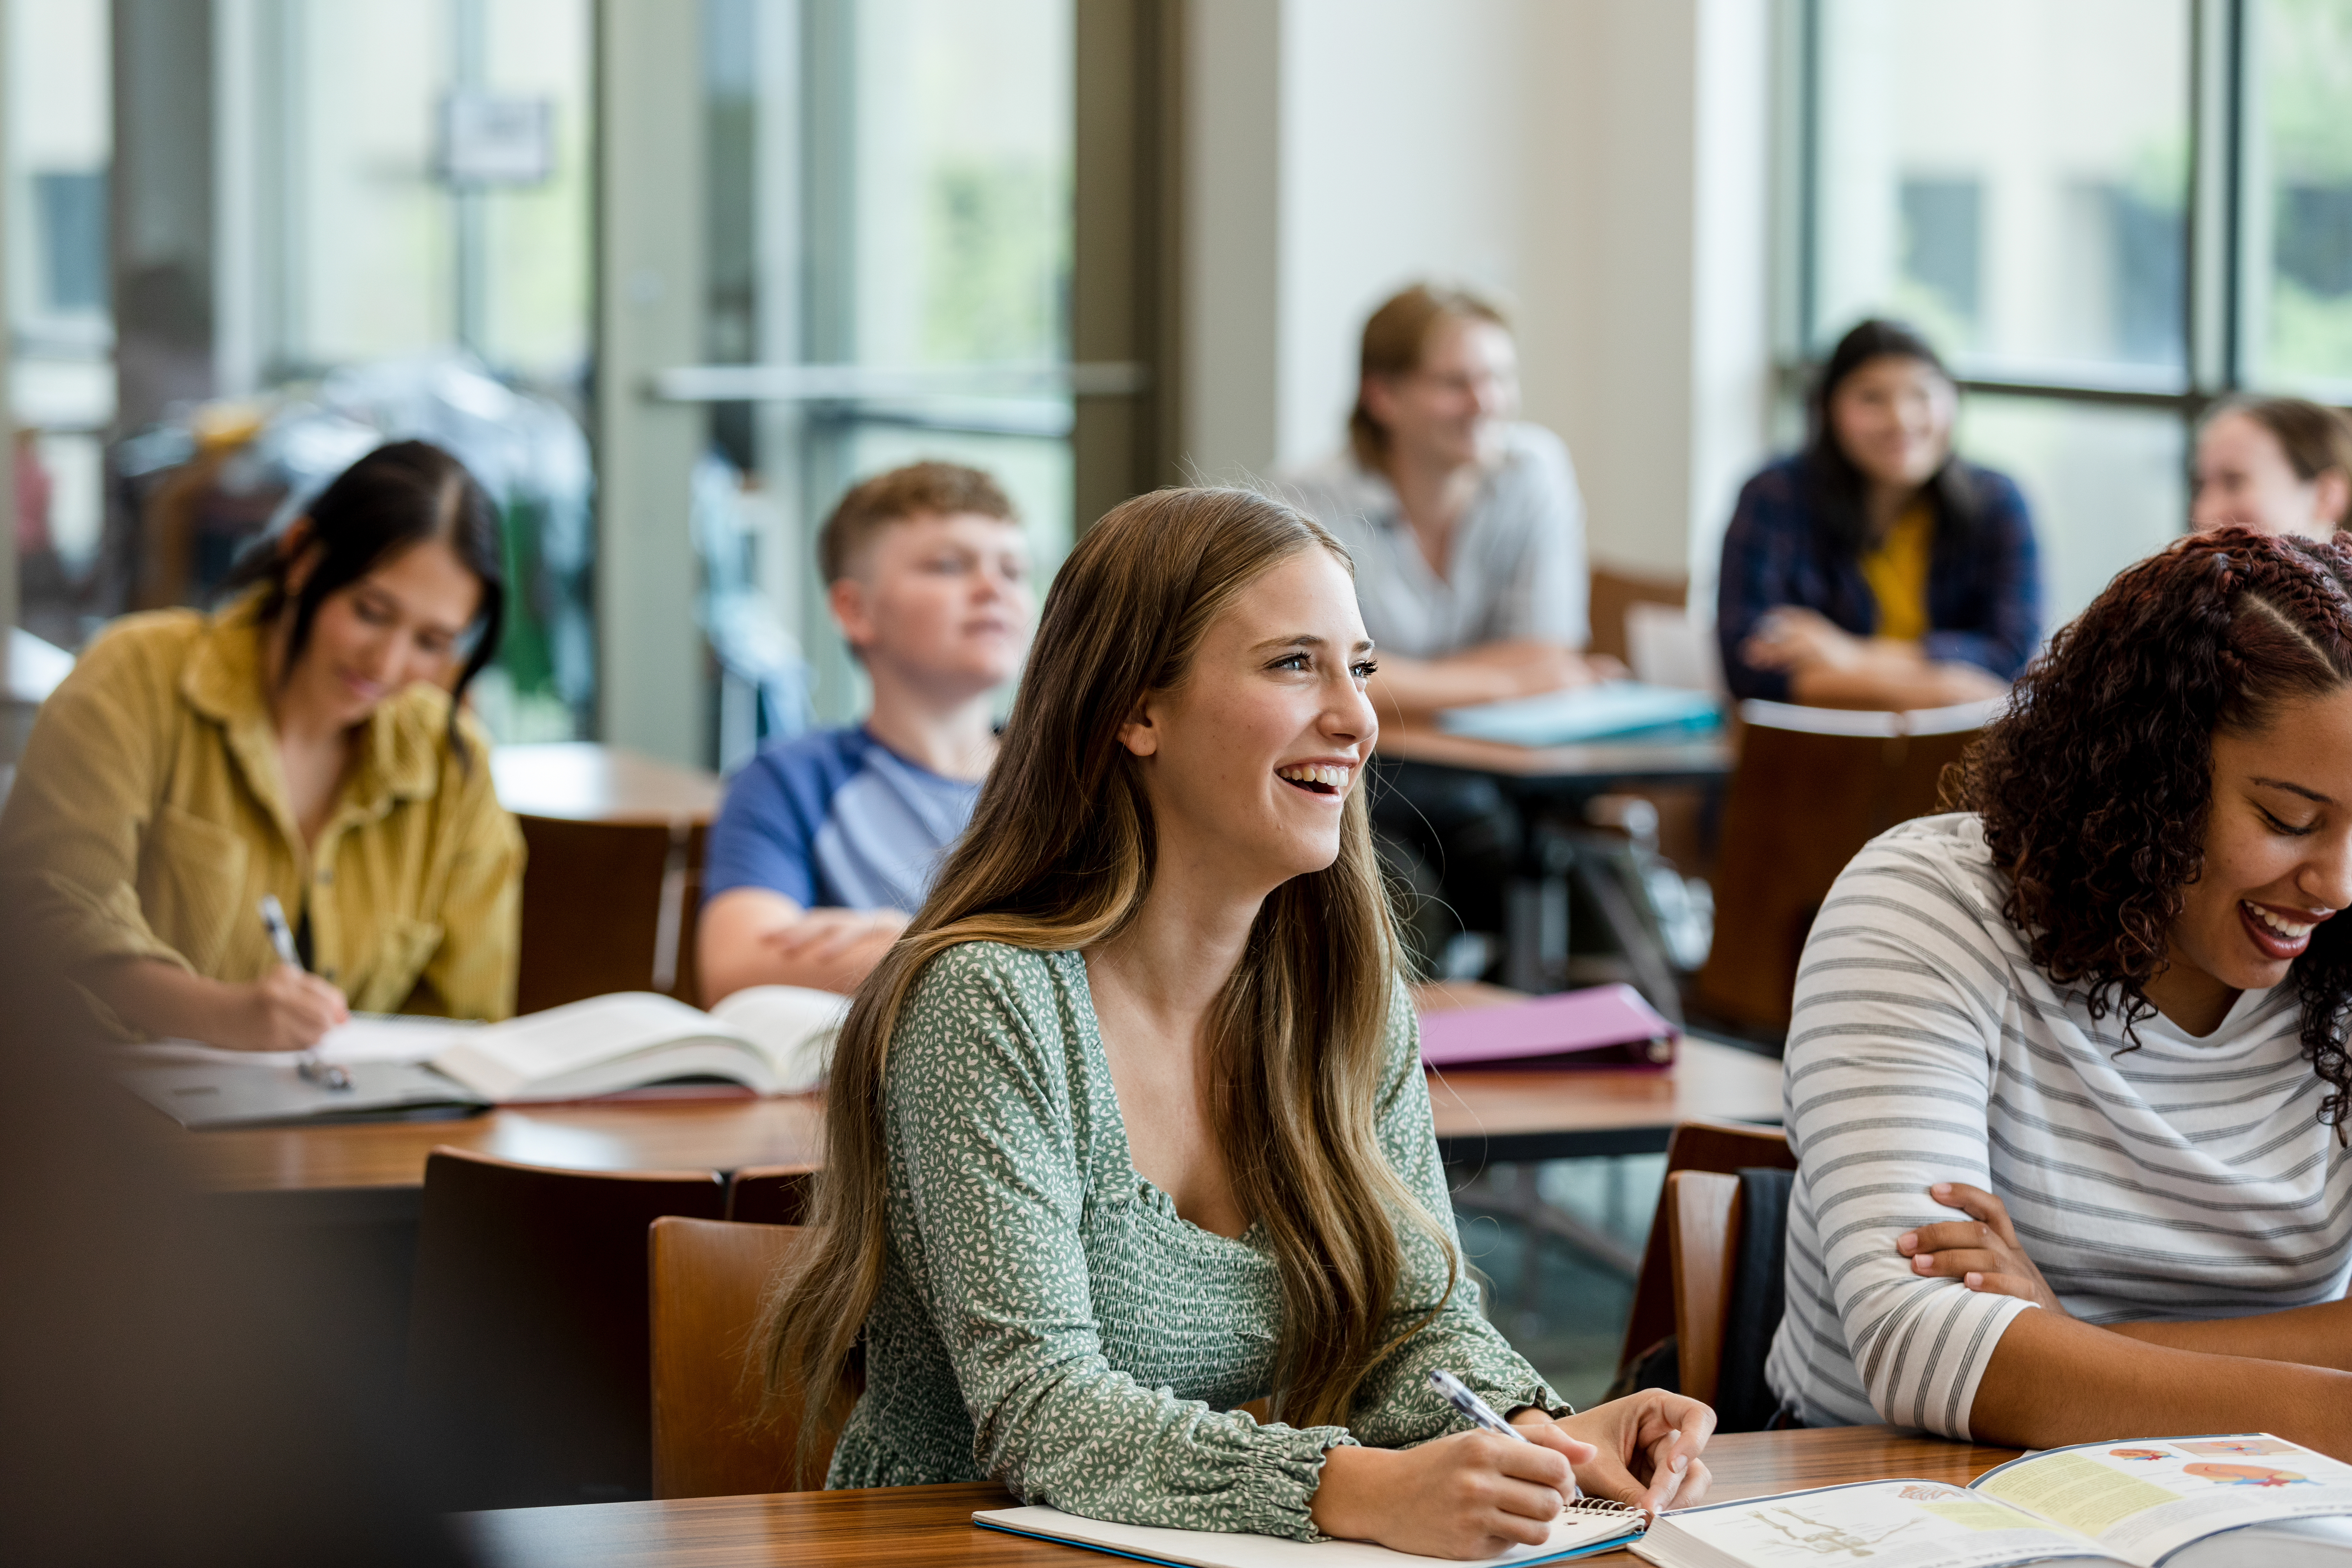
(1608, 711)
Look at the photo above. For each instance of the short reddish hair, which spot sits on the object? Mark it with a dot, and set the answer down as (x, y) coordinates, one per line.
(942, 490)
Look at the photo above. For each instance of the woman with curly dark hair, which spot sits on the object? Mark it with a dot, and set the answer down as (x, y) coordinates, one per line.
(2101, 1013)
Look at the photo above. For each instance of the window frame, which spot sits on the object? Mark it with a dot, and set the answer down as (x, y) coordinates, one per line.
(2213, 238)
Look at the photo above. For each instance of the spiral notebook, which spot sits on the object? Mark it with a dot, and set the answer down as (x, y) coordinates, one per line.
(1588, 1525)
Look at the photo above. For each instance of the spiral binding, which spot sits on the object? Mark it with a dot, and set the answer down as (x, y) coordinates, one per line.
(1601, 1506)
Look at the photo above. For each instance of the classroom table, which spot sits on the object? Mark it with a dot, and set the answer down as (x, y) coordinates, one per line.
(917, 1527)
(1482, 1117)
(1588, 766)
(1558, 780)
(579, 781)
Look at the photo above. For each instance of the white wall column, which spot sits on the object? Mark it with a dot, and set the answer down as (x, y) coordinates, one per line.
(649, 273)
(7, 408)
(1604, 164)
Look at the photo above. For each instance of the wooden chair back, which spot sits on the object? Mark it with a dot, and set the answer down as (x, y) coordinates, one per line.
(1801, 805)
(1701, 1216)
(713, 1434)
(607, 906)
(527, 1365)
(770, 1195)
(1611, 592)
(1722, 1147)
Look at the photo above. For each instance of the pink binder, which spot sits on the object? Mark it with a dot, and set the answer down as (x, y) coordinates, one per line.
(1607, 1025)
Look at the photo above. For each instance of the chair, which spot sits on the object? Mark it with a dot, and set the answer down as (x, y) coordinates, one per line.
(1666, 1288)
(770, 1195)
(1613, 593)
(1813, 786)
(712, 1434)
(528, 1363)
(609, 894)
(1703, 1214)
(607, 906)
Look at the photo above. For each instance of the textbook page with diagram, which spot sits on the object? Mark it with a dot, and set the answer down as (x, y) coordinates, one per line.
(2169, 1502)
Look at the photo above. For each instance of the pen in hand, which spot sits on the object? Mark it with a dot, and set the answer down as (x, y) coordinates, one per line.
(281, 937)
(1457, 1394)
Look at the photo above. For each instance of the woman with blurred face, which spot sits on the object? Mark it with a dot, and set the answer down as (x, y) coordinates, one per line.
(305, 742)
(2277, 465)
(1133, 1192)
(1876, 569)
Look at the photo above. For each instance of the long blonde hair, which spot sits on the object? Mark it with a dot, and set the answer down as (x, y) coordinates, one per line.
(1058, 857)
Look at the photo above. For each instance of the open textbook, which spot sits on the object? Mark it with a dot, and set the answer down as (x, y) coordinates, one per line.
(2180, 1502)
(772, 1039)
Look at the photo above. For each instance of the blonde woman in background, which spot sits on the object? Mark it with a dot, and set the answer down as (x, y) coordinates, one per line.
(2278, 465)
(1130, 1130)
(1467, 531)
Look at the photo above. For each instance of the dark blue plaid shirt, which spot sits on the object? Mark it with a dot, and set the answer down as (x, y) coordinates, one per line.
(1984, 601)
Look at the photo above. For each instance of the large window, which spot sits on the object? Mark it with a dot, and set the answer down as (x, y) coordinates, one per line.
(890, 247)
(2107, 213)
(58, 99)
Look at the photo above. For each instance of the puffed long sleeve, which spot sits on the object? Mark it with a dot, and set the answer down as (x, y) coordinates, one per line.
(997, 1197)
(1395, 1406)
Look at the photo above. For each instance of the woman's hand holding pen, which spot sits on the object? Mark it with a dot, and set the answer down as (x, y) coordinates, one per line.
(285, 1010)
(1472, 1494)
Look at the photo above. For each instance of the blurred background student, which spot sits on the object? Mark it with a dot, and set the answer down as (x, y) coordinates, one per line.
(1467, 532)
(828, 842)
(2280, 465)
(303, 741)
(1876, 568)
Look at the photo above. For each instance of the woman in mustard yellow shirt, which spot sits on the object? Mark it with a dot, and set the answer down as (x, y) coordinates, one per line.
(1877, 568)
(302, 741)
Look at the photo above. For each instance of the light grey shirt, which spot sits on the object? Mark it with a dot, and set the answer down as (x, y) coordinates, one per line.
(2190, 1178)
(1516, 568)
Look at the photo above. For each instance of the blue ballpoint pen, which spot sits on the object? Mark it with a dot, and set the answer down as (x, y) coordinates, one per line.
(1457, 1393)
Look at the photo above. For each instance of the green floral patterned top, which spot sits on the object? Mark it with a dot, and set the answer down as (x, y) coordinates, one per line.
(1047, 1320)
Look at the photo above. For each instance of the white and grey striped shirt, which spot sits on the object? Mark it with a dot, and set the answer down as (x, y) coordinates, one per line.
(2191, 1178)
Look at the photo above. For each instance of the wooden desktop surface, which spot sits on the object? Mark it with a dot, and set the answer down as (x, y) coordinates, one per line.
(1701, 756)
(1479, 1114)
(916, 1527)
(577, 781)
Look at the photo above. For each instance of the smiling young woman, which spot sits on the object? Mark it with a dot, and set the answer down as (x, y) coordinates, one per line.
(305, 742)
(2101, 1015)
(1877, 568)
(1130, 1130)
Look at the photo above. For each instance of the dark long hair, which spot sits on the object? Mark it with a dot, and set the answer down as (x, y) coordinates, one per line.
(2095, 786)
(397, 496)
(1840, 488)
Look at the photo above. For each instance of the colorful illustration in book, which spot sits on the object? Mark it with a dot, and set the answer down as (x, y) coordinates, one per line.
(2243, 1446)
(2246, 1475)
(2141, 1454)
(1820, 1538)
(1929, 1492)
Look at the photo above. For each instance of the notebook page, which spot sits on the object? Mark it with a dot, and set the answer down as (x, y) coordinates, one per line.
(1573, 1536)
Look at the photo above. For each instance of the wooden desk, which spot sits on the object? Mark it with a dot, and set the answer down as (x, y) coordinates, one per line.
(914, 1527)
(579, 780)
(1481, 1117)
(624, 1135)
